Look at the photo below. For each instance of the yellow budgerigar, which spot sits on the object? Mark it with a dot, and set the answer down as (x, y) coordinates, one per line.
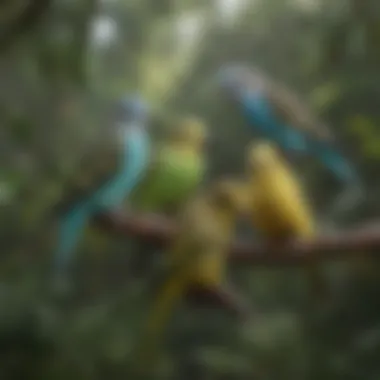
(279, 209)
(198, 252)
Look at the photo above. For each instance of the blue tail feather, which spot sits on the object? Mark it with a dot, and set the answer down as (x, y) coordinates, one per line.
(70, 230)
(354, 191)
(335, 162)
(291, 139)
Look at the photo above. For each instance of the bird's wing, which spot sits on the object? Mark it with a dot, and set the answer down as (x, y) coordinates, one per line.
(169, 294)
(289, 108)
(94, 169)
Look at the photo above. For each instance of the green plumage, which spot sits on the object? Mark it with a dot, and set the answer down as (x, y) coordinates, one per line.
(174, 175)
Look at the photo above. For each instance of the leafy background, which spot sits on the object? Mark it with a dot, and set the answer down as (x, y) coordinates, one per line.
(57, 80)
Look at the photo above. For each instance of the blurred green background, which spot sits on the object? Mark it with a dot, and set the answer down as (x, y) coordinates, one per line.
(57, 80)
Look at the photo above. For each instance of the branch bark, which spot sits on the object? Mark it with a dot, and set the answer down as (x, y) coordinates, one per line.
(159, 231)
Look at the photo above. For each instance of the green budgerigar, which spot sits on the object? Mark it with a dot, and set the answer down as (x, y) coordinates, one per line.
(176, 171)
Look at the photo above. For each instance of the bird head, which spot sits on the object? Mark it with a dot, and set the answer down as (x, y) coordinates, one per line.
(191, 131)
(263, 156)
(230, 79)
(236, 79)
(132, 108)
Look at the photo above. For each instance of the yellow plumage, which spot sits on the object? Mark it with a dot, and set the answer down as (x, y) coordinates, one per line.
(209, 227)
(197, 254)
(279, 209)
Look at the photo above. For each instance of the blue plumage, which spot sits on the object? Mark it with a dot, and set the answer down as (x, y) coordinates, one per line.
(282, 119)
(259, 112)
(130, 164)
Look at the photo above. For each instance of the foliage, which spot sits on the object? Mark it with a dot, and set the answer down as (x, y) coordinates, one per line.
(58, 80)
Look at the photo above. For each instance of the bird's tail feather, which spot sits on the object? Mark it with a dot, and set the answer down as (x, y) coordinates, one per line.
(70, 229)
(164, 303)
(345, 202)
(340, 166)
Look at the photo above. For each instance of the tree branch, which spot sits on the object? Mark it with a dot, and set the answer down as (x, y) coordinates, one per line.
(159, 231)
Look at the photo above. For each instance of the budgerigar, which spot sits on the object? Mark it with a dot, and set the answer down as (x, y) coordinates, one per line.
(197, 254)
(275, 113)
(278, 207)
(106, 178)
(176, 170)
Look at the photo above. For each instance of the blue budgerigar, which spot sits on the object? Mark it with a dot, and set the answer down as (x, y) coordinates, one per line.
(106, 177)
(276, 113)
